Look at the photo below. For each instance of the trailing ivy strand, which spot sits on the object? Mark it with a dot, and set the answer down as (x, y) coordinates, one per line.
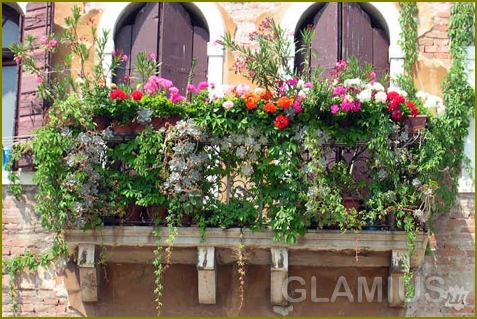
(408, 42)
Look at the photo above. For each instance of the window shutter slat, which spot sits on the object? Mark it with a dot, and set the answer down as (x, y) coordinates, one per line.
(38, 21)
(123, 42)
(357, 33)
(176, 44)
(201, 38)
(145, 31)
(380, 52)
(325, 40)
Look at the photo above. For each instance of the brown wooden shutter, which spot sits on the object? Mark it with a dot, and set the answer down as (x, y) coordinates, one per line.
(122, 42)
(145, 31)
(344, 30)
(199, 52)
(31, 109)
(326, 40)
(357, 33)
(380, 53)
(175, 48)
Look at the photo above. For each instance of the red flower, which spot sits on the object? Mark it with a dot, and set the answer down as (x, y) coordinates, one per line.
(285, 102)
(396, 115)
(266, 95)
(413, 108)
(136, 95)
(251, 102)
(270, 107)
(281, 121)
(118, 95)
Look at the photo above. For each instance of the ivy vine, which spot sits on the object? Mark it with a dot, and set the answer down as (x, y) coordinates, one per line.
(407, 20)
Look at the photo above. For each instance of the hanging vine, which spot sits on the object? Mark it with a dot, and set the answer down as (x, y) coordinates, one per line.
(407, 20)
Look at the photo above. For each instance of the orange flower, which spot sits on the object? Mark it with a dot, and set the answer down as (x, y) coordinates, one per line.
(251, 102)
(285, 102)
(266, 95)
(270, 107)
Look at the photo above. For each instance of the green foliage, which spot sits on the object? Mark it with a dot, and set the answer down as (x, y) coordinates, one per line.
(408, 42)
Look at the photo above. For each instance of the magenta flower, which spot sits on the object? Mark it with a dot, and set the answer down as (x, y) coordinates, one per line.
(44, 39)
(176, 98)
(339, 90)
(174, 90)
(334, 109)
(202, 85)
(18, 59)
(190, 88)
(125, 58)
(372, 75)
(308, 84)
(292, 82)
(347, 106)
(39, 80)
(152, 56)
(297, 106)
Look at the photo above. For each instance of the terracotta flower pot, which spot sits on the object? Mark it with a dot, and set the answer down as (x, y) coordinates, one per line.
(102, 122)
(414, 124)
(164, 122)
(350, 202)
(125, 129)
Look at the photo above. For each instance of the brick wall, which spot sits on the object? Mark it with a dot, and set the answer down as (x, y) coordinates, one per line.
(42, 293)
(452, 259)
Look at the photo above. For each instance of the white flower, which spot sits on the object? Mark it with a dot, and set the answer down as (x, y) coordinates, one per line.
(352, 82)
(364, 96)
(431, 101)
(380, 97)
(376, 86)
(259, 90)
(228, 104)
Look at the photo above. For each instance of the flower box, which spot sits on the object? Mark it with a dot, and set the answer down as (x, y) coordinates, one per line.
(415, 124)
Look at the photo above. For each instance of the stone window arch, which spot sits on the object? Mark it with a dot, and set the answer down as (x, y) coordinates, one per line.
(382, 16)
(204, 15)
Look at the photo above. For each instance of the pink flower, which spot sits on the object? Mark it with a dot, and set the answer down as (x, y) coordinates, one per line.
(39, 80)
(190, 88)
(292, 82)
(228, 104)
(372, 75)
(125, 58)
(18, 59)
(165, 83)
(339, 90)
(242, 89)
(176, 98)
(341, 64)
(44, 39)
(152, 56)
(334, 109)
(53, 43)
(173, 90)
(308, 85)
(297, 106)
(202, 85)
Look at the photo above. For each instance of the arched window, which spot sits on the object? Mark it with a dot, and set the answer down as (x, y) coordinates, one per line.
(172, 31)
(342, 30)
(10, 34)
